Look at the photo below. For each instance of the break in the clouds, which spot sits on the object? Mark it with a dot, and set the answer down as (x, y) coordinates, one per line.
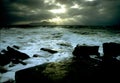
(66, 12)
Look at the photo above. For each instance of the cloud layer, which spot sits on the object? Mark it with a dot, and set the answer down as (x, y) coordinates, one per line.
(77, 12)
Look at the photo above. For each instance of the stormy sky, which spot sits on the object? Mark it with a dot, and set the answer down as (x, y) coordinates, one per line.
(61, 12)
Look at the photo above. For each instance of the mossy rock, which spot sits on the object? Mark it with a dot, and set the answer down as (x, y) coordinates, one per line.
(53, 72)
(56, 71)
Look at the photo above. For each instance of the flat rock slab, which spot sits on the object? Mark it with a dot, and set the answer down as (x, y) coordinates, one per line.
(48, 72)
(70, 71)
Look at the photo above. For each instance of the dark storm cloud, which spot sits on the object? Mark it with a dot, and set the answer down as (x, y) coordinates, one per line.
(96, 12)
(24, 10)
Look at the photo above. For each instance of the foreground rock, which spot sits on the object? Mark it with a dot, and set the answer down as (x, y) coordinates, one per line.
(46, 73)
(69, 71)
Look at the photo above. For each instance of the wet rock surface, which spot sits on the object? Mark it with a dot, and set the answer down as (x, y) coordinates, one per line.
(69, 71)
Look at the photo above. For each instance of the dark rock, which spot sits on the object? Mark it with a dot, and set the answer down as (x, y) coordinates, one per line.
(3, 51)
(49, 50)
(16, 61)
(2, 69)
(31, 75)
(85, 51)
(64, 44)
(12, 53)
(111, 49)
(4, 60)
(17, 47)
(36, 55)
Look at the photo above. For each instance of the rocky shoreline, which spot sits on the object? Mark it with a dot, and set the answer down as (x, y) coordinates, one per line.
(79, 68)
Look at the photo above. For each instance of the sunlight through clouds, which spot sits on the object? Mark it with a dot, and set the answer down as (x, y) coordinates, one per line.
(62, 9)
(90, 0)
(58, 11)
(56, 20)
(92, 11)
(59, 20)
(75, 6)
(50, 2)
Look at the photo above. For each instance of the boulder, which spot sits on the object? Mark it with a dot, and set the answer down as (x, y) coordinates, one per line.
(12, 53)
(4, 60)
(111, 49)
(85, 51)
